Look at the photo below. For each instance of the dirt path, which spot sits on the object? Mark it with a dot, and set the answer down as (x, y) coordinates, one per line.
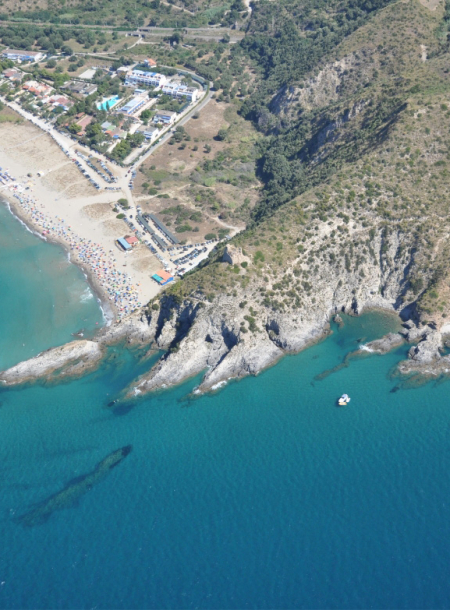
(430, 4)
(423, 50)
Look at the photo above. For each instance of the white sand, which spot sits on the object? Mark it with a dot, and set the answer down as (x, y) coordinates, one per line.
(63, 192)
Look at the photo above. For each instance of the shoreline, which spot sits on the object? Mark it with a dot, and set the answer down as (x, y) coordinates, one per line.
(109, 310)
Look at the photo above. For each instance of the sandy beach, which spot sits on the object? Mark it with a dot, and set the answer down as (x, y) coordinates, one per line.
(62, 206)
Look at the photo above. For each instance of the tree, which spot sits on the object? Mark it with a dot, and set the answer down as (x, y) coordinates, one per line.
(222, 134)
(92, 130)
(75, 128)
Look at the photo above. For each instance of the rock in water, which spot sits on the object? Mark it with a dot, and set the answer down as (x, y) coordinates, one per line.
(68, 496)
(385, 344)
(338, 320)
(74, 358)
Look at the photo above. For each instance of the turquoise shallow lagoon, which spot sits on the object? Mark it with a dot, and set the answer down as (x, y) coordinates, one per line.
(265, 495)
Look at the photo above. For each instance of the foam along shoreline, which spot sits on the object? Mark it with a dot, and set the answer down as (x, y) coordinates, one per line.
(108, 309)
(114, 288)
(41, 175)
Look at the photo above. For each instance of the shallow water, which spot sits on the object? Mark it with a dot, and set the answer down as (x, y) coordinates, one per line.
(264, 495)
(44, 297)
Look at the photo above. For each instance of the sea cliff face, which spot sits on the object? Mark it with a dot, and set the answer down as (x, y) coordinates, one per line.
(222, 340)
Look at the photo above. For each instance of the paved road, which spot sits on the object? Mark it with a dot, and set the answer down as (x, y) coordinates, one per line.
(168, 134)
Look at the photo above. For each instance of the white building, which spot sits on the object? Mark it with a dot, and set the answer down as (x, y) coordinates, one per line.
(22, 55)
(167, 117)
(180, 91)
(141, 77)
(150, 133)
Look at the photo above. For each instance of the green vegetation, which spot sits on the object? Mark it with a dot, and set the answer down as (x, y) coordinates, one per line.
(351, 178)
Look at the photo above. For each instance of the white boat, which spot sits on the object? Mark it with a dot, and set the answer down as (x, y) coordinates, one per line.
(344, 400)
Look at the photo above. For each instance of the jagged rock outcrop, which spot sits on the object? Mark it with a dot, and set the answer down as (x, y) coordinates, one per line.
(234, 255)
(326, 86)
(73, 359)
(135, 329)
(384, 345)
(428, 350)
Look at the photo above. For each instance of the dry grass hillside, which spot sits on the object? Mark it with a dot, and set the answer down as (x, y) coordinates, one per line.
(385, 208)
(201, 181)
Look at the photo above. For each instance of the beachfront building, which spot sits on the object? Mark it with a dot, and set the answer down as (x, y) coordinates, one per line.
(141, 77)
(128, 242)
(180, 91)
(122, 242)
(132, 240)
(134, 105)
(15, 55)
(162, 277)
(167, 117)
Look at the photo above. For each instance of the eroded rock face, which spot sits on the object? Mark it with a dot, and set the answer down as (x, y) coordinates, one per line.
(135, 329)
(72, 359)
(325, 87)
(234, 255)
(242, 333)
(428, 349)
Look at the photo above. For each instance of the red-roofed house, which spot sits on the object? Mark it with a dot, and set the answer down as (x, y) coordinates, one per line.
(83, 122)
(13, 74)
(132, 240)
(36, 88)
(59, 100)
(151, 63)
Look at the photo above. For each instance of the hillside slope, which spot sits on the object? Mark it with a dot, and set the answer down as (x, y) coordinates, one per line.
(352, 101)
(354, 212)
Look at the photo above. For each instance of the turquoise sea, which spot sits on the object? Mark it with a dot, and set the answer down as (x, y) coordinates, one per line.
(265, 495)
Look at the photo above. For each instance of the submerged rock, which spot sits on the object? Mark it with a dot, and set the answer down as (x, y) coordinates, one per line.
(68, 496)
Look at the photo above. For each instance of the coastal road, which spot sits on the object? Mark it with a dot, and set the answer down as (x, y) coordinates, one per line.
(168, 133)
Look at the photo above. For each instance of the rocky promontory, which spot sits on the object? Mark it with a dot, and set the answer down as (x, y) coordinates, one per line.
(73, 359)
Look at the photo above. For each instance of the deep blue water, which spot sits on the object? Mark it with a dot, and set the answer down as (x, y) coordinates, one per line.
(265, 495)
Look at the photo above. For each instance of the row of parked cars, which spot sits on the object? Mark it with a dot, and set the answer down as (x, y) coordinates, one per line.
(107, 176)
(187, 258)
(86, 173)
(133, 176)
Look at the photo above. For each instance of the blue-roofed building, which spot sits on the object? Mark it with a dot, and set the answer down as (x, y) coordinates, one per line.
(125, 245)
(133, 105)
